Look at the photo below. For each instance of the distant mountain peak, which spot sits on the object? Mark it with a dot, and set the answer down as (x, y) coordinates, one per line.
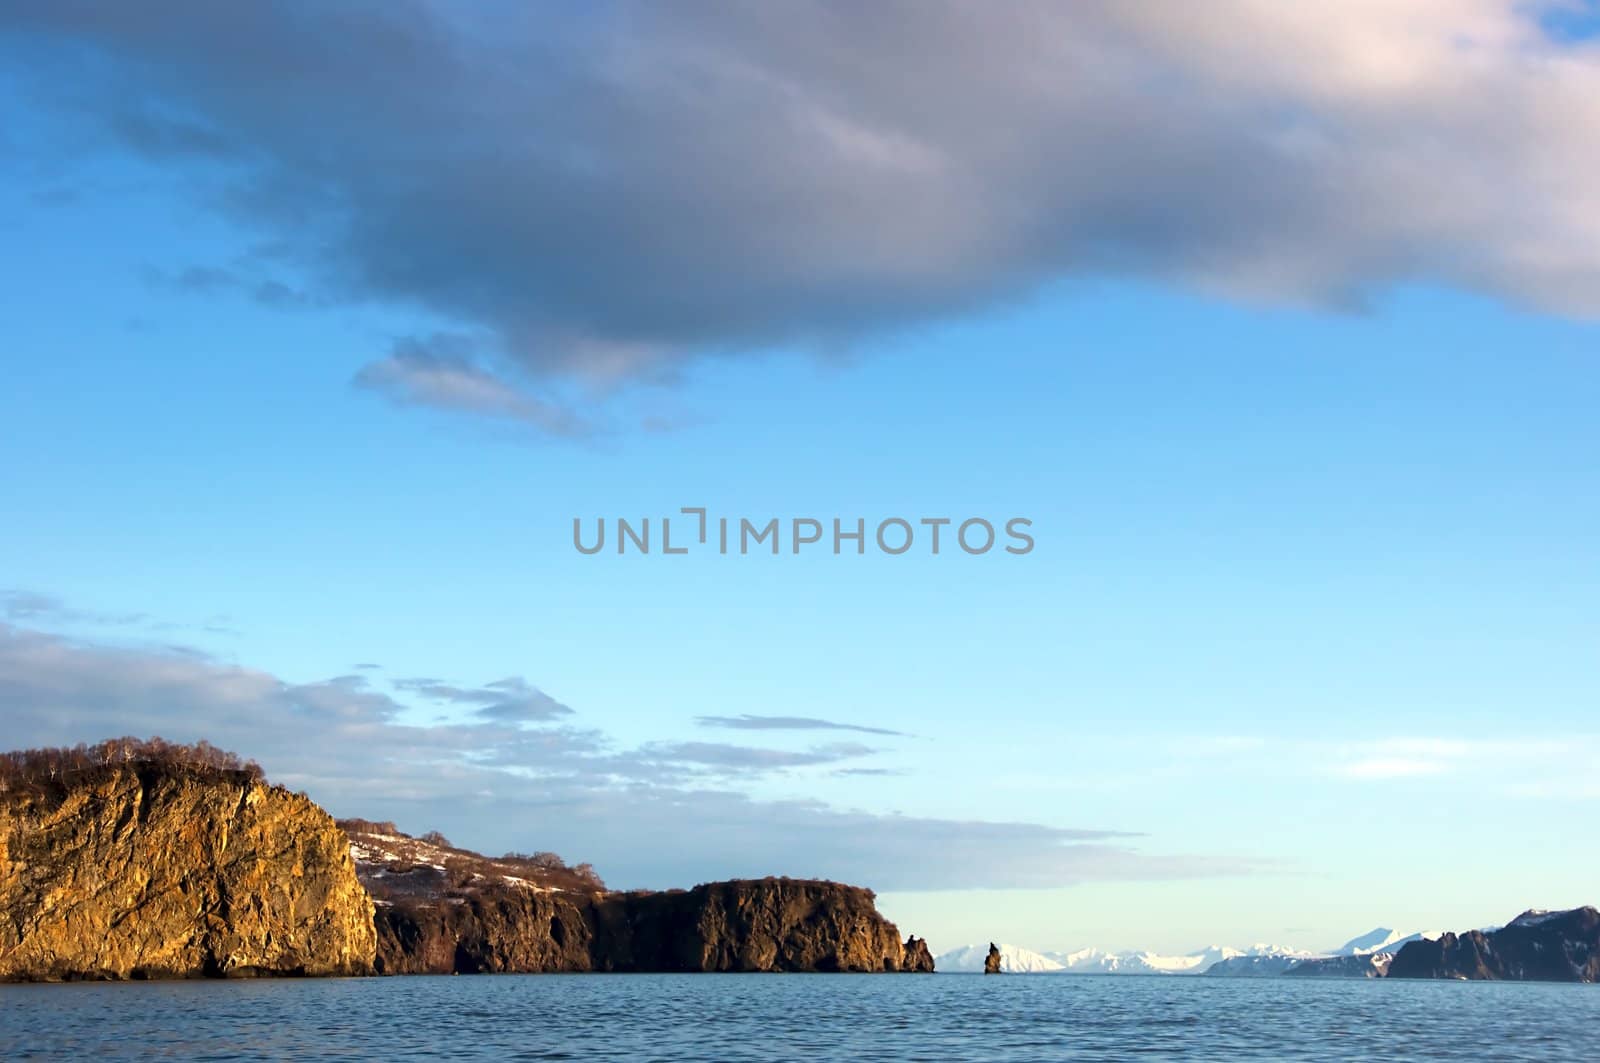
(1380, 939)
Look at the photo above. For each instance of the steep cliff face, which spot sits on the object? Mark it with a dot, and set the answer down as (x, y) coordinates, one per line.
(1535, 946)
(154, 871)
(144, 859)
(493, 931)
(769, 924)
(764, 925)
(1456, 956)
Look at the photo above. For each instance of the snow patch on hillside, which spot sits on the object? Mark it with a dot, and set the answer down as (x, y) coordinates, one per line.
(1537, 916)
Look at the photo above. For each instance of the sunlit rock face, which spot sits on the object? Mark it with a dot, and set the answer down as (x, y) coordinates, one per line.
(138, 859)
(152, 870)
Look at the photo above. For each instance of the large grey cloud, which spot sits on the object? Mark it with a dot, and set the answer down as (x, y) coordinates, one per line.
(658, 815)
(608, 189)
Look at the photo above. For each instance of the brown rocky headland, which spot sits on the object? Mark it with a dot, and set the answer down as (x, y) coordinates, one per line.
(134, 859)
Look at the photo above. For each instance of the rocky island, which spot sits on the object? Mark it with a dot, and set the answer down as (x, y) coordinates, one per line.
(134, 859)
(1536, 946)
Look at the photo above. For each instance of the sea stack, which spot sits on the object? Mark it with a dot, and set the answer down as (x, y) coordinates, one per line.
(991, 962)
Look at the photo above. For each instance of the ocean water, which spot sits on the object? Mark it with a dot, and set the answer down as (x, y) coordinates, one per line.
(779, 1017)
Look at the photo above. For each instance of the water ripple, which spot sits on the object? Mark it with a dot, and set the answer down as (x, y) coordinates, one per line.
(762, 1017)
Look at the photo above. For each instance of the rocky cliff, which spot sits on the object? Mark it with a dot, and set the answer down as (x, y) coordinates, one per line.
(762, 925)
(146, 860)
(1535, 946)
(444, 909)
(148, 870)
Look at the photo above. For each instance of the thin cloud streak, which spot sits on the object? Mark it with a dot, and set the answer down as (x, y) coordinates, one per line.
(748, 722)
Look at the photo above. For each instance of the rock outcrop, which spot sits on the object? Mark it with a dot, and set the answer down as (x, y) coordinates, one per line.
(443, 909)
(148, 870)
(916, 957)
(1535, 947)
(991, 962)
(762, 925)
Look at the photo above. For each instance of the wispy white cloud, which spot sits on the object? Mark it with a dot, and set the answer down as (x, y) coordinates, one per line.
(34, 607)
(38, 609)
(1487, 760)
(1413, 757)
(439, 372)
(1390, 768)
(1579, 786)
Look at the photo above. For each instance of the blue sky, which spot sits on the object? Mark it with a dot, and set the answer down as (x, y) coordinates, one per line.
(1307, 642)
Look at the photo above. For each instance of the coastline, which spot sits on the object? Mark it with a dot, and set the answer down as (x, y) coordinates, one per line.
(144, 861)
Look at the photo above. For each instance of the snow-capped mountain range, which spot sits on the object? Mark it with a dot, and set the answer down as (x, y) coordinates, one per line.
(1255, 960)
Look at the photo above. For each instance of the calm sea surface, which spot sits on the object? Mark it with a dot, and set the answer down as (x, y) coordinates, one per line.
(775, 1017)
